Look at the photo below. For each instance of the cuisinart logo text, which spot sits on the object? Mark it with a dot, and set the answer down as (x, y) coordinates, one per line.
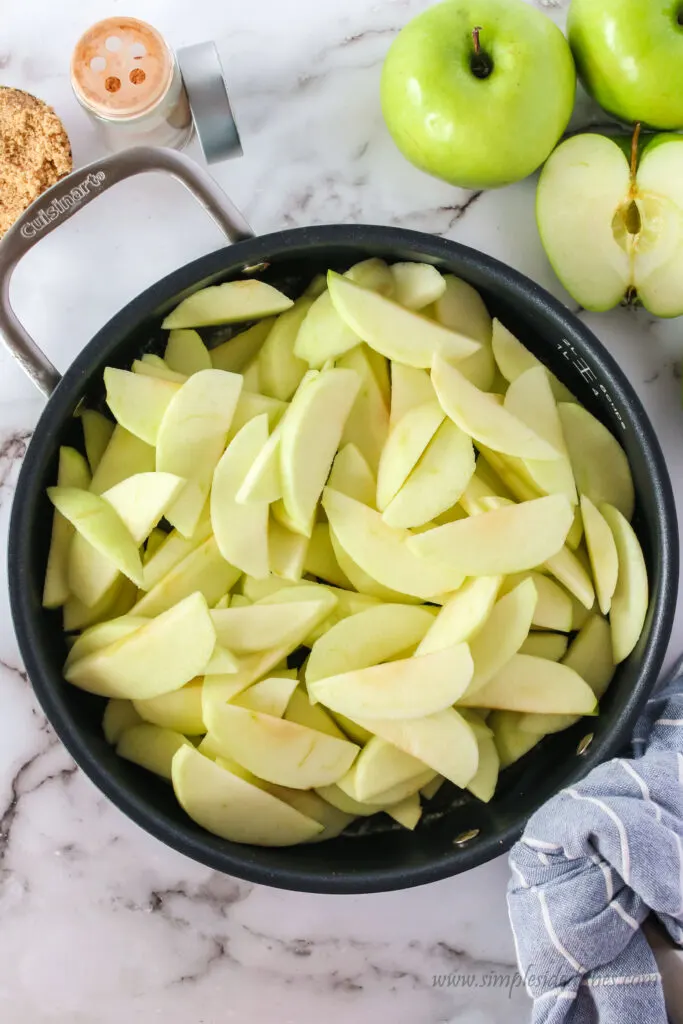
(62, 204)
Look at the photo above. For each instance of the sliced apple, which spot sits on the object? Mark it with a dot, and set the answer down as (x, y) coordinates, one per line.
(154, 366)
(379, 767)
(416, 285)
(124, 456)
(374, 274)
(235, 354)
(408, 812)
(203, 571)
(313, 716)
(481, 416)
(250, 404)
(430, 790)
(631, 596)
(154, 542)
(461, 309)
(119, 715)
(180, 710)
(234, 809)
(97, 522)
(228, 303)
(323, 334)
(483, 785)
(102, 635)
(262, 481)
(526, 683)
(251, 377)
(554, 608)
(572, 574)
(602, 551)
(410, 688)
(271, 696)
(172, 551)
(278, 750)
(118, 601)
(72, 472)
(395, 332)
(444, 741)
(463, 615)
(552, 646)
(368, 638)
(260, 626)
(280, 370)
(138, 403)
(222, 663)
(503, 633)
(97, 431)
(438, 480)
(591, 655)
(511, 742)
(320, 559)
(287, 551)
(405, 444)
(367, 425)
(385, 552)
(313, 806)
(514, 359)
(186, 353)
(599, 462)
(311, 432)
(362, 581)
(410, 387)
(151, 747)
(505, 540)
(192, 438)
(241, 531)
(157, 658)
(352, 476)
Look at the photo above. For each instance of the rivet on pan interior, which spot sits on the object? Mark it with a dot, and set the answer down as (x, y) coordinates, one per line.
(585, 743)
(255, 268)
(466, 837)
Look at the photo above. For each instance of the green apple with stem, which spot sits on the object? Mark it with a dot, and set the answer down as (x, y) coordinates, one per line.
(478, 92)
(610, 216)
(629, 54)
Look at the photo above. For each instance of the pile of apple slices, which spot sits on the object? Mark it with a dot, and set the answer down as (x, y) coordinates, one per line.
(377, 483)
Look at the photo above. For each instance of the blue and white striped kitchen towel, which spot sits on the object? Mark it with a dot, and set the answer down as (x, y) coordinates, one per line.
(593, 863)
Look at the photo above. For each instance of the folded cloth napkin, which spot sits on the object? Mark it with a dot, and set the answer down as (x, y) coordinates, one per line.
(593, 863)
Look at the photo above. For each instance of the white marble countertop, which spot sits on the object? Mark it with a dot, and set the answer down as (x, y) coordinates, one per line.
(99, 922)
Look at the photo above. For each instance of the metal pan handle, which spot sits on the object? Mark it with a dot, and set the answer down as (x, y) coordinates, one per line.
(65, 199)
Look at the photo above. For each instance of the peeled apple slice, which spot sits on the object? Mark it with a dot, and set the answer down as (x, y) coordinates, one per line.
(384, 552)
(151, 747)
(320, 559)
(483, 785)
(410, 387)
(438, 480)
(186, 353)
(103, 634)
(172, 551)
(248, 630)
(138, 403)
(154, 366)
(514, 359)
(511, 742)
(352, 476)
(251, 404)
(119, 715)
(270, 696)
(503, 633)
(406, 443)
(73, 472)
(192, 438)
(362, 581)
(234, 809)
(505, 540)
(263, 479)
(554, 609)
(97, 431)
(301, 711)
(311, 432)
(373, 274)
(602, 551)
(287, 551)
(204, 571)
(323, 335)
(180, 710)
(411, 688)
(552, 646)
(380, 766)
(157, 658)
(235, 354)
(631, 596)
(241, 531)
(395, 332)
(571, 573)
(277, 750)
(280, 370)
(462, 615)
(416, 285)
(97, 522)
(599, 462)
(367, 425)
(124, 456)
(526, 683)
(368, 638)
(228, 303)
(478, 414)
(461, 309)
(445, 742)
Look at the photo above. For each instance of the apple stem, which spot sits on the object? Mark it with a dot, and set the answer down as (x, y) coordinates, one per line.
(475, 39)
(634, 150)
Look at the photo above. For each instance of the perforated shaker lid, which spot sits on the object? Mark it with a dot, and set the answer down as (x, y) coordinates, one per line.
(207, 93)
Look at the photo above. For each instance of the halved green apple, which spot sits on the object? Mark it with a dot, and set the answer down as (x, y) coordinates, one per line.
(611, 221)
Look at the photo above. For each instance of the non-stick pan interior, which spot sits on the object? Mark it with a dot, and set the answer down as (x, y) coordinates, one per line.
(377, 854)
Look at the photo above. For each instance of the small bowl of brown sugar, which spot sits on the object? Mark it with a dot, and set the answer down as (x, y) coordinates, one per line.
(34, 152)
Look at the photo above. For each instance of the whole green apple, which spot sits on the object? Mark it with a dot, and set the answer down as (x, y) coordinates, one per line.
(630, 57)
(610, 216)
(478, 92)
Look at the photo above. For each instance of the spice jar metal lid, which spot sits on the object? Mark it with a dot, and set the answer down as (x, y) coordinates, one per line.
(204, 83)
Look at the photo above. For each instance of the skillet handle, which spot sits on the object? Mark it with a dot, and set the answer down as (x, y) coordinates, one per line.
(65, 199)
